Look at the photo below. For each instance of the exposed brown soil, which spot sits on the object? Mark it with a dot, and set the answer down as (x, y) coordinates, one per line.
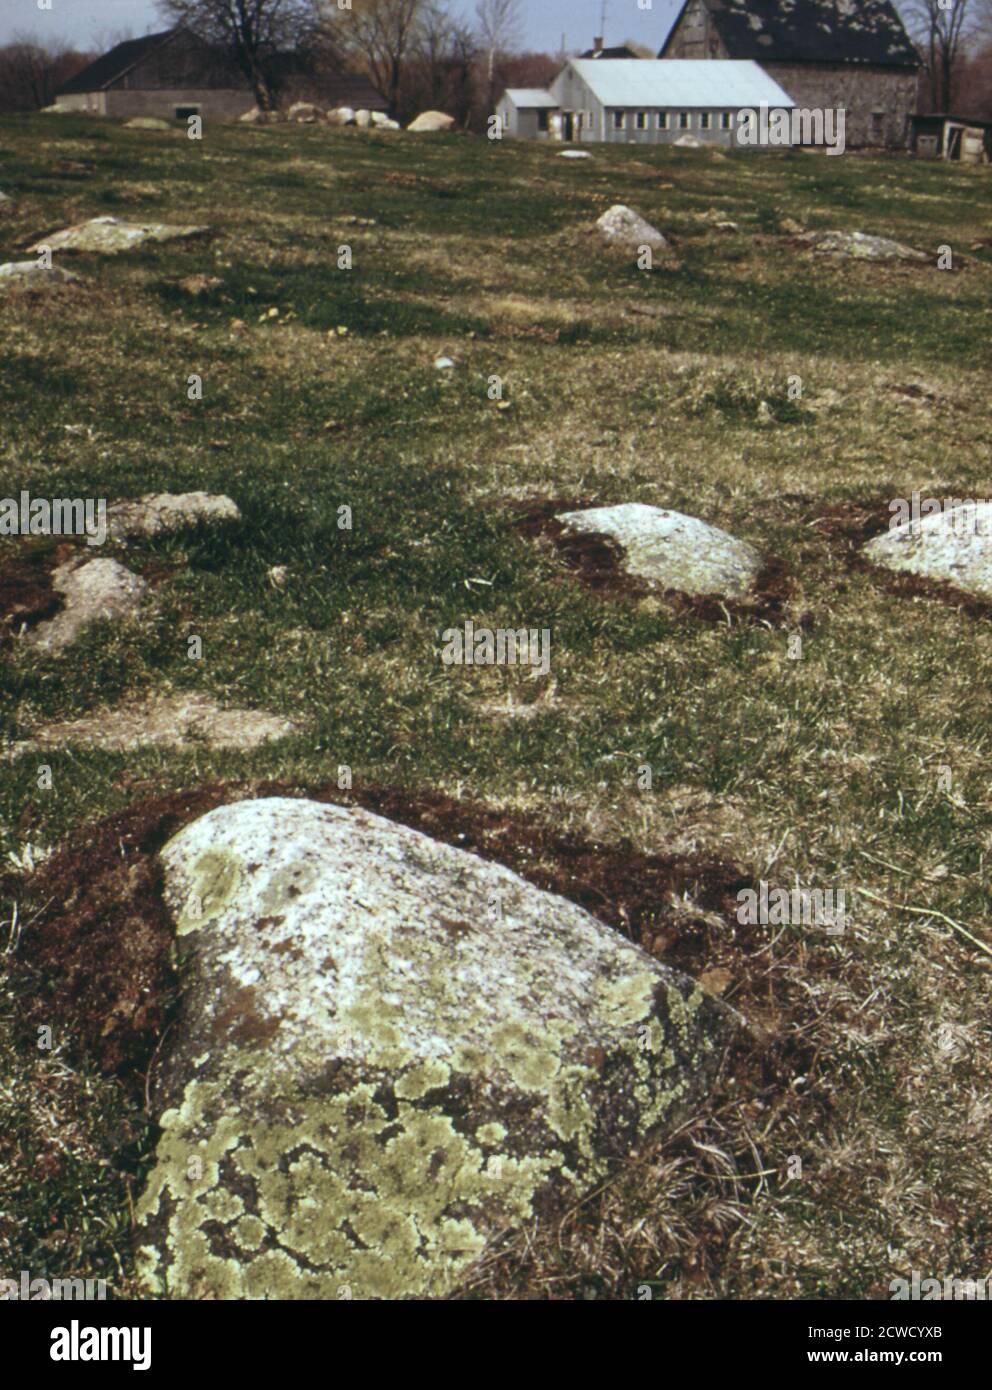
(849, 526)
(96, 958)
(597, 561)
(26, 593)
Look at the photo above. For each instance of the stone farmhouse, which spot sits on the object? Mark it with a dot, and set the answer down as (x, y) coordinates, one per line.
(174, 75)
(641, 102)
(829, 54)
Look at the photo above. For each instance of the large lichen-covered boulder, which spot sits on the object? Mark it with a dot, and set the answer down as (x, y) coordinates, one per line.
(672, 550)
(952, 545)
(389, 1051)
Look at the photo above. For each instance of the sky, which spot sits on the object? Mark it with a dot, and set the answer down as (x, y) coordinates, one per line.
(85, 22)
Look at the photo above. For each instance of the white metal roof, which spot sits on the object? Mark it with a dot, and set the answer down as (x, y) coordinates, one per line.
(530, 96)
(681, 82)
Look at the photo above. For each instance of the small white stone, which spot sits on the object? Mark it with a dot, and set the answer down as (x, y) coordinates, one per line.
(622, 226)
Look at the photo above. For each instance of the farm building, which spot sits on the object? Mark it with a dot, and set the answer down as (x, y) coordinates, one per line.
(526, 112)
(646, 102)
(174, 74)
(853, 55)
(964, 138)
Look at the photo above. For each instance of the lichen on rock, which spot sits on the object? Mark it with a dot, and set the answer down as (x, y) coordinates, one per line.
(389, 1051)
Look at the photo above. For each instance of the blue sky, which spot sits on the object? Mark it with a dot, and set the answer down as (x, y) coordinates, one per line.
(85, 21)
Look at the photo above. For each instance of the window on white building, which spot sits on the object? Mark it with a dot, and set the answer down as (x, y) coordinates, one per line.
(685, 120)
(662, 120)
(726, 120)
(704, 120)
(641, 120)
(619, 120)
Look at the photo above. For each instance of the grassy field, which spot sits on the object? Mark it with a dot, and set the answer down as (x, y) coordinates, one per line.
(857, 760)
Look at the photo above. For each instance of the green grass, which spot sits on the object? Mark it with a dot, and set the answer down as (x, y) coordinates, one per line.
(830, 763)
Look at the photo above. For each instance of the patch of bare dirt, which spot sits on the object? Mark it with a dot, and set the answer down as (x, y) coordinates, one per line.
(27, 593)
(96, 951)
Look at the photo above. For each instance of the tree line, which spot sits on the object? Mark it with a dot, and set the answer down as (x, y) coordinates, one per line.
(418, 54)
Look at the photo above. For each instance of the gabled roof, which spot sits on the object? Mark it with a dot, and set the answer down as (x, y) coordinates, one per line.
(105, 71)
(681, 82)
(809, 31)
(350, 89)
(523, 97)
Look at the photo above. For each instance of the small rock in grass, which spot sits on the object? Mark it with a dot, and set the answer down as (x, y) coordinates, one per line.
(91, 590)
(162, 721)
(953, 545)
(159, 512)
(859, 246)
(111, 235)
(622, 226)
(675, 551)
(35, 275)
(432, 120)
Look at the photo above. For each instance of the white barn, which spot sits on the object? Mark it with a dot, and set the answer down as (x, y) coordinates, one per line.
(648, 101)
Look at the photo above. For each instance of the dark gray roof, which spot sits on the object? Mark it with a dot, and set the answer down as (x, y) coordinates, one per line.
(106, 70)
(621, 51)
(810, 31)
(350, 89)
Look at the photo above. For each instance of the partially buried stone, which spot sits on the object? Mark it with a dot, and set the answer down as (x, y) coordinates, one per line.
(389, 1052)
(951, 545)
(672, 550)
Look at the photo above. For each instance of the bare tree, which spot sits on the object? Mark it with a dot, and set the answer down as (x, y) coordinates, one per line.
(499, 24)
(32, 70)
(381, 35)
(445, 51)
(254, 33)
(941, 29)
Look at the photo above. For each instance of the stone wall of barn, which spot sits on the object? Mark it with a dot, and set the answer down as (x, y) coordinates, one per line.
(860, 88)
(213, 103)
(878, 100)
